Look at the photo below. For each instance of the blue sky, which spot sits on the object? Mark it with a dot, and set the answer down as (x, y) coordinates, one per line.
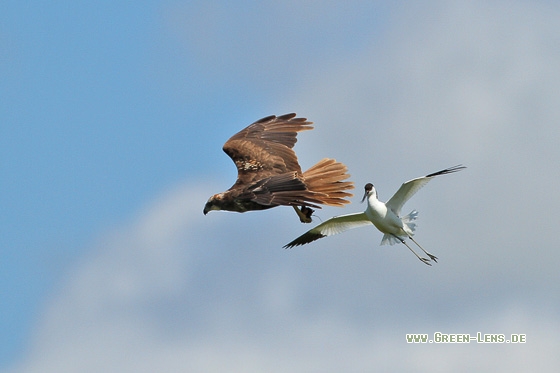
(113, 118)
(106, 105)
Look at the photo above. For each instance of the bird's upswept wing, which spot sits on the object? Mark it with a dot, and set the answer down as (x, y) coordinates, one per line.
(333, 226)
(264, 148)
(409, 188)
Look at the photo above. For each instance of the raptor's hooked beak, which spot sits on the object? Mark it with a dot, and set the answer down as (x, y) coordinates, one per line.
(207, 208)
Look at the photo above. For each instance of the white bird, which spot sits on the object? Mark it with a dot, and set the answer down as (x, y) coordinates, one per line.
(385, 217)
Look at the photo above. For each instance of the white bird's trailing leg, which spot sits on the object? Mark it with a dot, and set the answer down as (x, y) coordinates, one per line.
(423, 260)
(433, 257)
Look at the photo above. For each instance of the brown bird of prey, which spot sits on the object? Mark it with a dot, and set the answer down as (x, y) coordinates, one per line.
(268, 173)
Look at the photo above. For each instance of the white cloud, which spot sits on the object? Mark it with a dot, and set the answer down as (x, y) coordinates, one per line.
(471, 83)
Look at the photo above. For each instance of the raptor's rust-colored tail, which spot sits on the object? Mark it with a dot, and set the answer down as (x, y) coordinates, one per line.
(325, 180)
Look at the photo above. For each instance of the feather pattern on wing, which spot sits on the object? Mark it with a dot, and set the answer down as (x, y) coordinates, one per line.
(264, 148)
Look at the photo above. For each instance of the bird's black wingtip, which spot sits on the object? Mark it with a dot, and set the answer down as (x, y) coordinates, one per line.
(294, 243)
(458, 167)
(449, 170)
(304, 239)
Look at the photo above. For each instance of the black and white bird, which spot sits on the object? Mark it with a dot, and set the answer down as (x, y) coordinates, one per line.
(385, 216)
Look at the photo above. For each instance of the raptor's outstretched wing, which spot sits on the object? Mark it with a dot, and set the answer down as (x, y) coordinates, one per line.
(264, 148)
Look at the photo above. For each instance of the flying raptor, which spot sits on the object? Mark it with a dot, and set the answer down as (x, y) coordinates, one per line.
(269, 175)
(385, 216)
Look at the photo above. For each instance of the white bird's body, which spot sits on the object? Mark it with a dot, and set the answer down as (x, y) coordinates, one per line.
(387, 221)
(384, 216)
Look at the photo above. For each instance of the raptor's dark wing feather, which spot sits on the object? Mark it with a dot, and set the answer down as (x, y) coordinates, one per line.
(264, 148)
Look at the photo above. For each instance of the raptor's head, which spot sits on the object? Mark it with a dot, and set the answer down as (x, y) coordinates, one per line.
(214, 203)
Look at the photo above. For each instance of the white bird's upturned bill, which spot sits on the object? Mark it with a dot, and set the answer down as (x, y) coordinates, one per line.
(385, 216)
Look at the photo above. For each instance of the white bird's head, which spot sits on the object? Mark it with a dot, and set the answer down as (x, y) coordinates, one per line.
(369, 190)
